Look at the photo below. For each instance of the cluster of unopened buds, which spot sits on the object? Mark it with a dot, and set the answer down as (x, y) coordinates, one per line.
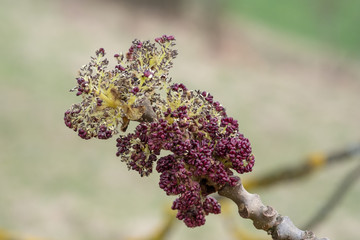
(203, 146)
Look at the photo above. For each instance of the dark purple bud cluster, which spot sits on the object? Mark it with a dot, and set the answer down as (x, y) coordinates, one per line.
(100, 52)
(210, 99)
(135, 152)
(190, 208)
(67, 119)
(99, 102)
(123, 144)
(175, 179)
(176, 87)
(204, 146)
(180, 112)
(208, 96)
(83, 134)
(210, 205)
(174, 176)
(82, 86)
(229, 124)
(238, 152)
(104, 132)
(75, 121)
(164, 38)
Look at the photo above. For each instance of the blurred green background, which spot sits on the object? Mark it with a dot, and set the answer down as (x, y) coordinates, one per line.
(289, 71)
(322, 21)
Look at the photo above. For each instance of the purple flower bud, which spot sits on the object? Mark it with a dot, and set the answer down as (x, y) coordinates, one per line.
(147, 73)
(80, 81)
(170, 38)
(135, 90)
(99, 102)
(120, 68)
(100, 52)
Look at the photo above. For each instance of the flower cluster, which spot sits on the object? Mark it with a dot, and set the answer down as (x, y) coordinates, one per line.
(204, 143)
(187, 135)
(114, 97)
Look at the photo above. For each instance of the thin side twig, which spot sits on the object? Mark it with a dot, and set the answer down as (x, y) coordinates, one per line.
(313, 162)
(335, 198)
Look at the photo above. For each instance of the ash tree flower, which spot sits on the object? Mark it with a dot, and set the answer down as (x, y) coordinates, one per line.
(112, 98)
(184, 134)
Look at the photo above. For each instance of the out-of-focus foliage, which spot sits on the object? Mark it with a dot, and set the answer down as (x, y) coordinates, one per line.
(328, 21)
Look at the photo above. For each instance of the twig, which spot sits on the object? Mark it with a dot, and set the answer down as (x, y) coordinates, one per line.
(312, 163)
(264, 217)
(337, 196)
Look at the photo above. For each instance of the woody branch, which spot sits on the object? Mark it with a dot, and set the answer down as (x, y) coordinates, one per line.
(264, 217)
